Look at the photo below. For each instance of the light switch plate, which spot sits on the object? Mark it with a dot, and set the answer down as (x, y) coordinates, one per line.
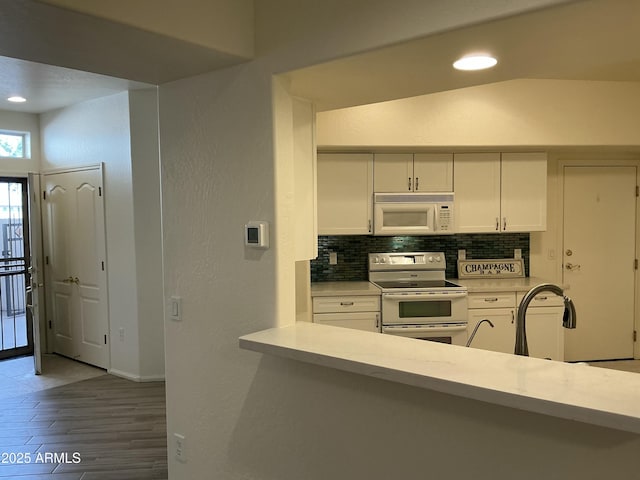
(462, 254)
(175, 308)
(517, 253)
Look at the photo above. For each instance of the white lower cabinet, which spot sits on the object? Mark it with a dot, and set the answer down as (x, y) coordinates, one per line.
(368, 321)
(361, 312)
(545, 335)
(500, 338)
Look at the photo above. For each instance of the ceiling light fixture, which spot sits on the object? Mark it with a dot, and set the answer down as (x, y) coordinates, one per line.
(17, 99)
(475, 62)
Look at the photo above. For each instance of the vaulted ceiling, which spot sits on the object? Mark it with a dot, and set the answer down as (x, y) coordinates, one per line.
(585, 40)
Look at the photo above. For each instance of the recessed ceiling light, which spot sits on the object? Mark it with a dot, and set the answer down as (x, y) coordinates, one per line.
(475, 62)
(17, 99)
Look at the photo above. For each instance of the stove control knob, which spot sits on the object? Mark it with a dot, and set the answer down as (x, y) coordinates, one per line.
(382, 260)
(376, 260)
(438, 258)
(430, 259)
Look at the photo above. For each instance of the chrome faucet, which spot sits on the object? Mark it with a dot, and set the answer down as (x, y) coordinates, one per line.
(568, 318)
(473, 334)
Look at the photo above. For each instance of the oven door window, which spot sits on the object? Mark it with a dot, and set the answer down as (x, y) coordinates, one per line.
(426, 309)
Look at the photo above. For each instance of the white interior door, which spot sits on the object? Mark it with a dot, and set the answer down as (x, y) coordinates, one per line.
(598, 260)
(75, 252)
(35, 280)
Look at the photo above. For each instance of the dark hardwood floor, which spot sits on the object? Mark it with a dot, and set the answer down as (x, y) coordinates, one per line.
(102, 428)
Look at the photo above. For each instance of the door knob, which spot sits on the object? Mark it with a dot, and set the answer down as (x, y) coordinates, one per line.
(568, 253)
(571, 267)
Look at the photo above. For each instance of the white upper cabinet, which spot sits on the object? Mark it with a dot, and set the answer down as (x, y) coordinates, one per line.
(393, 172)
(433, 172)
(500, 193)
(476, 183)
(345, 193)
(407, 172)
(524, 192)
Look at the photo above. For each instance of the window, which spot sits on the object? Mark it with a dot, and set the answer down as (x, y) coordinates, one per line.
(14, 144)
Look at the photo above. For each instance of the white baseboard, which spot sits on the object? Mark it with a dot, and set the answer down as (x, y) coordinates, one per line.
(136, 378)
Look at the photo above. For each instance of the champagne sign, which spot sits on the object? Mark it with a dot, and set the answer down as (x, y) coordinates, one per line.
(500, 268)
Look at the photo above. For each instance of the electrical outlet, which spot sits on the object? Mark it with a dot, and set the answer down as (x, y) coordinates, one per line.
(462, 254)
(180, 447)
(517, 253)
(333, 258)
(121, 333)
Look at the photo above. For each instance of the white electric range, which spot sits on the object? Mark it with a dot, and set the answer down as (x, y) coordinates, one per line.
(417, 300)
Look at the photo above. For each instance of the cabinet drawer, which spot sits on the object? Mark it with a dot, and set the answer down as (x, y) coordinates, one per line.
(492, 300)
(360, 303)
(544, 299)
(367, 321)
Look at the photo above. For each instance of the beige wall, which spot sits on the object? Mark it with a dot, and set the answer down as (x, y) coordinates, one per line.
(517, 113)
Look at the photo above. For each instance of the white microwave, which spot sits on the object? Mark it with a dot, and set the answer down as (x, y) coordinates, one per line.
(413, 213)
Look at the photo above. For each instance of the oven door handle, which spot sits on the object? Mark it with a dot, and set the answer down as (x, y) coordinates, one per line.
(443, 328)
(428, 296)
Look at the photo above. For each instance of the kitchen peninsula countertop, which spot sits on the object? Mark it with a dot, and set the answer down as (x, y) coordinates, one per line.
(330, 289)
(592, 395)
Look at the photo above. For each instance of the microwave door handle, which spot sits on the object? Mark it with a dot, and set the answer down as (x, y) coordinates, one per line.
(434, 217)
(429, 296)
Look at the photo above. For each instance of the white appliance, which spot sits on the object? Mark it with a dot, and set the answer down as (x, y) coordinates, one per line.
(413, 213)
(417, 300)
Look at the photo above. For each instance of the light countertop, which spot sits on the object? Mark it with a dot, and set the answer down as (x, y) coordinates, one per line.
(482, 285)
(475, 285)
(578, 392)
(329, 289)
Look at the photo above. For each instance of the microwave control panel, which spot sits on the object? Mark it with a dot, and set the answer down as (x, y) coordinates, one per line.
(445, 217)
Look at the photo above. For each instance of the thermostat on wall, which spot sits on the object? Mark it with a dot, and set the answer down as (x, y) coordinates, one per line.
(256, 234)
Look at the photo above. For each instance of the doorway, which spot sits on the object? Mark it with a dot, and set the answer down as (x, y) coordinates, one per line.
(16, 330)
(75, 263)
(599, 266)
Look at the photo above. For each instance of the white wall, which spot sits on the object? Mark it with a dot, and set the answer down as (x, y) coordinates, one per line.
(100, 131)
(145, 171)
(249, 416)
(546, 113)
(21, 122)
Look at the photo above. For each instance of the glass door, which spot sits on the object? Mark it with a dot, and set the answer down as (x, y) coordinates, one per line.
(16, 335)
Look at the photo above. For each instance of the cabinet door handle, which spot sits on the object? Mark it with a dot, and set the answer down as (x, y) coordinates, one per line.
(417, 187)
(346, 304)
(497, 224)
(493, 299)
(513, 317)
(377, 320)
(409, 184)
(504, 223)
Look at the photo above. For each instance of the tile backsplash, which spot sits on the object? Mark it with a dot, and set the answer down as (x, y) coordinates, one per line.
(353, 251)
